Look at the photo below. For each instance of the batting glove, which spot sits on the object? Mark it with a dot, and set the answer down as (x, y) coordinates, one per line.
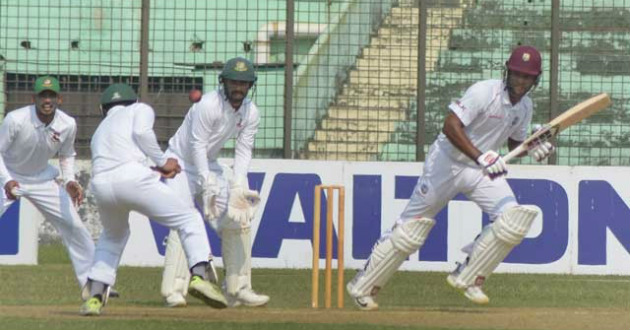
(210, 191)
(542, 151)
(242, 204)
(493, 164)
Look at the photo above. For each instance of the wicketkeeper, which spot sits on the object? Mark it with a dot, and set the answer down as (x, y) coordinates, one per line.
(463, 159)
(122, 182)
(228, 203)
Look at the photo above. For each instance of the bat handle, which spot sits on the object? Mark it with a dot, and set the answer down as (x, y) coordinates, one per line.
(515, 152)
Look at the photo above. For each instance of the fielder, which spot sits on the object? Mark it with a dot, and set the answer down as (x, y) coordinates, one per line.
(29, 138)
(122, 183)
(463, 159)
(228, 204)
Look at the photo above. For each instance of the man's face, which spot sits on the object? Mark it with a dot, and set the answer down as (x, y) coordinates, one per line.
(237, 90)
(46, 102)
(519, 84)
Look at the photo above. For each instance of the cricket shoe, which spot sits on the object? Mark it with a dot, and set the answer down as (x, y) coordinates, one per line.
(175, 300)
(364, 303)
(247, 297)
(209, 293)
(92, 307)
(474, 293)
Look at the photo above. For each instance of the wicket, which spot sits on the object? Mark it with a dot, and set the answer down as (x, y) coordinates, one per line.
(330, 189)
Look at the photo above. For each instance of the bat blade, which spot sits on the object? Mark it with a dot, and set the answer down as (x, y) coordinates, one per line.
(568, 118)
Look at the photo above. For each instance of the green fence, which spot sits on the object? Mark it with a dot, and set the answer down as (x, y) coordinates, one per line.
(369, 79)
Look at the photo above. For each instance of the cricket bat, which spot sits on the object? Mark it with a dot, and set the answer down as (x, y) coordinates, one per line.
(570, 117)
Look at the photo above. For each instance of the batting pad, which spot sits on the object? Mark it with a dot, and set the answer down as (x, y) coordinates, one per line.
(176, 274)
(237, 255)
(495, 244)
(389, 254)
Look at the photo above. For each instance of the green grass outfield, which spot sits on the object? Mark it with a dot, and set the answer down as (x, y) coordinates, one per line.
(47, 297)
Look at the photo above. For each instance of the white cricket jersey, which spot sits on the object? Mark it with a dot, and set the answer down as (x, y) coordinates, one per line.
(125, 135)
(27, 144)
(489, 119)
(208, 125)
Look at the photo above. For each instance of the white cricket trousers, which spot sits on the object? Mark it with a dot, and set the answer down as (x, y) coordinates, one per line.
(52, 200)
(135, 187)
(442, 179)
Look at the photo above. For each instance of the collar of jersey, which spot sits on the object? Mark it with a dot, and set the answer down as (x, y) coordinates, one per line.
(38, 123)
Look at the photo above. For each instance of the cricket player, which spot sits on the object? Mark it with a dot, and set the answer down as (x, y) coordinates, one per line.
(29, 138)
(227, 202)
(122, 182)
(464, 159)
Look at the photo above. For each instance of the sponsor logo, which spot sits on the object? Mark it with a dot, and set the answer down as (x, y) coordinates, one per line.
(55, 136)
(240, 66)
(424, 188)
(526, 57)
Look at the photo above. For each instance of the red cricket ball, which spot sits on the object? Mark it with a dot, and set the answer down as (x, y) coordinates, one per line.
(194, 95)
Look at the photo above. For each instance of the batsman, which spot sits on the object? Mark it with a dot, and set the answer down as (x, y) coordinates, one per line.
(228, 203)
(464, 159)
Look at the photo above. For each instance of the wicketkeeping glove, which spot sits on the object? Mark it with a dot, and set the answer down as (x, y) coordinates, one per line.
(210, 191)
(242, 204)
(493, 164)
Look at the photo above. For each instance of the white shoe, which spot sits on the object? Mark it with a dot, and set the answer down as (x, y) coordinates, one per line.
(476, 295)
(473, 292)
(247, 297)
(365, 303)
(175, 300)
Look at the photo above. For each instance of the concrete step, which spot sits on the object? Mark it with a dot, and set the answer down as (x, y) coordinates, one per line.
(386, 78)
(409, 54)
(380, 63)
(400, 102)
(378, 91)
(359, 124)
(351, 136)
(367, 113)
(384, 72)
(342, 147)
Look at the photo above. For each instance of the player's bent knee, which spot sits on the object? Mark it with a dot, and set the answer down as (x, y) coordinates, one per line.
(410, 236)
(512, 226)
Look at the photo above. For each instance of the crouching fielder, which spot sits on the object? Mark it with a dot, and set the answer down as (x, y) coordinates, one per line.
(122, 183)
(29, 138)
(227, 202)
(463, 160)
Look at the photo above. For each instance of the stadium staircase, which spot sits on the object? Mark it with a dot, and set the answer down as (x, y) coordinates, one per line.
(380, 92)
